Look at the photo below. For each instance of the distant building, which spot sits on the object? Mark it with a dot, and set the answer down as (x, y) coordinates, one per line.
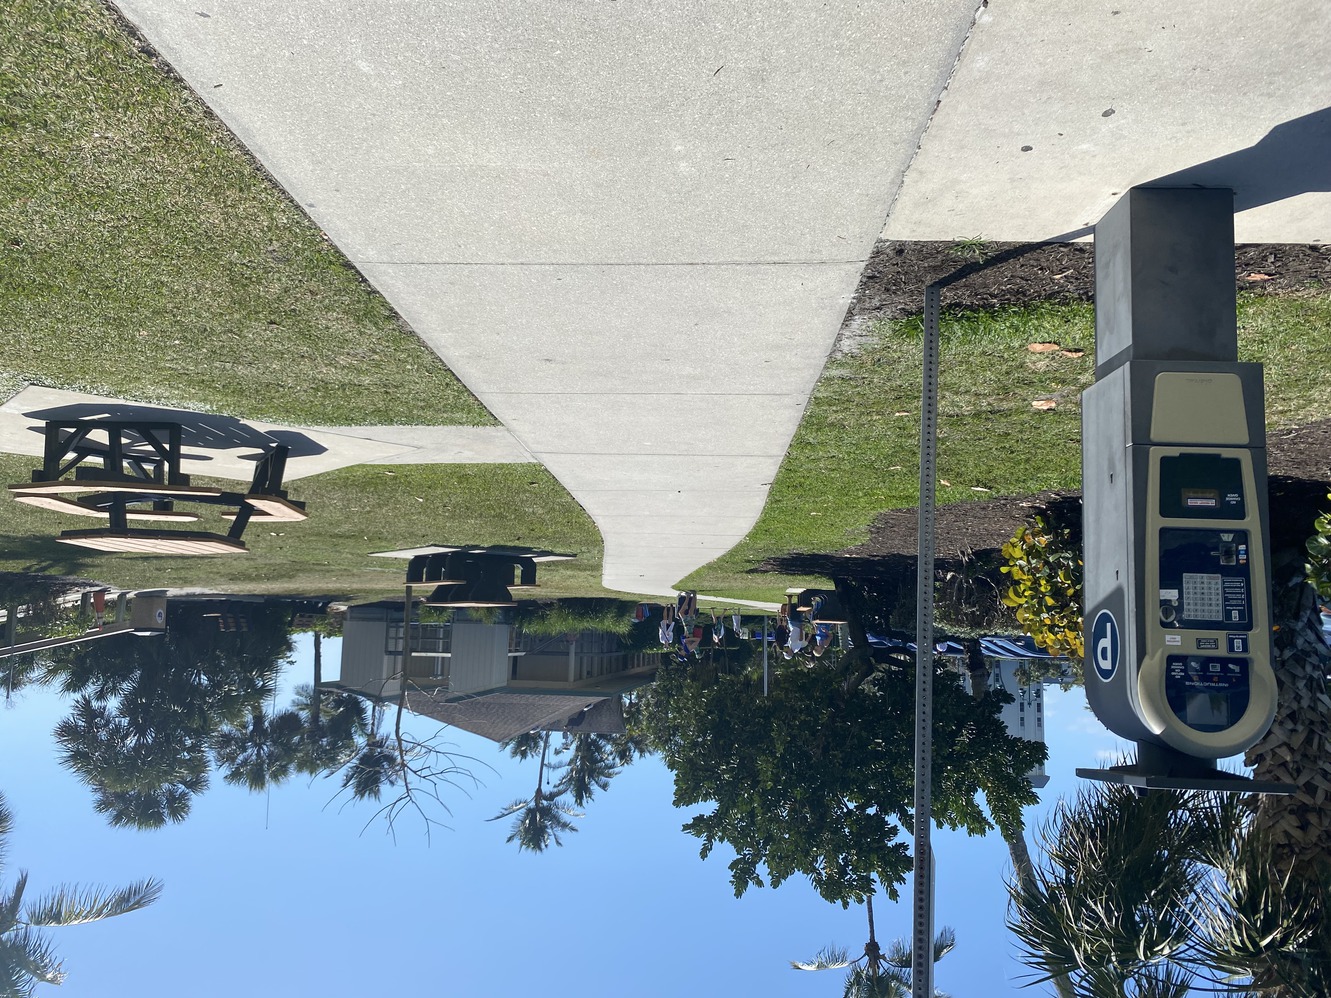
(488, 677)
(1024, 717)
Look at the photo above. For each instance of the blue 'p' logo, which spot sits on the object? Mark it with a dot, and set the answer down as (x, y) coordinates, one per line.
(1104, 645)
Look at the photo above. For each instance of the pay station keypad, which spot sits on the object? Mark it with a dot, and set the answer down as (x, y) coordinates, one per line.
(1205, 579)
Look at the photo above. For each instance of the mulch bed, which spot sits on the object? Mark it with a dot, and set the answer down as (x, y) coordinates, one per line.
(893, 282)
(892, 287)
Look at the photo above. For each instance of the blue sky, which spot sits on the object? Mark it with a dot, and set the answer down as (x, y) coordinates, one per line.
(286, 893)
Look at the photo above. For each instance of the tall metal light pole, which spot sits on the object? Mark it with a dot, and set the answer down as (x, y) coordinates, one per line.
(922, 950)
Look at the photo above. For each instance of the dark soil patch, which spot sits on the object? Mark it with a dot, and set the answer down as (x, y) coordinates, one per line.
(893, 282)
(1301, 452)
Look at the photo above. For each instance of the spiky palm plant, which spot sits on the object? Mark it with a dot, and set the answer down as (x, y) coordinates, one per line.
(1154, 895)
(27, 957)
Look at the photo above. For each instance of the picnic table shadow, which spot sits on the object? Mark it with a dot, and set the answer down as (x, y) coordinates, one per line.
(200, 431)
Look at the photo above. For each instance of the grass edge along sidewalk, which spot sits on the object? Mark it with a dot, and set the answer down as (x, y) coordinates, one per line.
(1009, 421)
(145, 255)
(353, 512)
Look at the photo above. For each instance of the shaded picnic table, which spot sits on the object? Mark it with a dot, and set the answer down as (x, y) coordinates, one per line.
(139, 477)
(470, 577)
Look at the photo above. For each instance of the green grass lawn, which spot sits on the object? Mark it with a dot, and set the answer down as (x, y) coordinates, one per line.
(353, 512)
(856, 452)
(144, 255)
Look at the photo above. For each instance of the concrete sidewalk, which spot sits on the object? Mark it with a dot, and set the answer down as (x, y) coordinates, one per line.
(631, 230)
(1059, 106)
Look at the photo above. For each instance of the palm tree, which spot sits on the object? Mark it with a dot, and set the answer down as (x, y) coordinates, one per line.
(525, 746)
(262, 752)
(377, 765)
(591, 766)
(329, 731)
(876, 974)
(145, 769)
(332, 722)
(541, 817)
(26, 956)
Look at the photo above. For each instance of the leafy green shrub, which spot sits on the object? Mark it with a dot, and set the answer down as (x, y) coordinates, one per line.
(1319, 551)
(1045, 566)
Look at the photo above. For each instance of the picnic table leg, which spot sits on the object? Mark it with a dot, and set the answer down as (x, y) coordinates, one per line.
(115, 454)
(119, 521)
(269, 471)
(241, 521)
(53, 452)
(173, 473)
(528, 577)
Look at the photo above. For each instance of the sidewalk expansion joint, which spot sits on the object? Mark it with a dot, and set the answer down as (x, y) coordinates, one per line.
(951, 74)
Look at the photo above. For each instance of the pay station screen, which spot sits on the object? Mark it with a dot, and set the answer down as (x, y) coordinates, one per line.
(1205, 579)
(1206, 693)
(1201, 486)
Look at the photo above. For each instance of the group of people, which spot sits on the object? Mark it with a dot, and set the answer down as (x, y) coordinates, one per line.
(681, 630)
(797, 630)
(802, 631)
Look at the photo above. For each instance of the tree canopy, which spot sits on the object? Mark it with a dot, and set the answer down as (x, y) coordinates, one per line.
(817, 777)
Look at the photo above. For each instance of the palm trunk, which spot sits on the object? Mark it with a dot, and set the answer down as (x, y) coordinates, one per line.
(540, 771)
(873, 955)
(316, 707)
(1295, 750)
(1024, 870)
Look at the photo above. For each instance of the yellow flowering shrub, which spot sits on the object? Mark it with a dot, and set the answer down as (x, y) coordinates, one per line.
(1045, 595)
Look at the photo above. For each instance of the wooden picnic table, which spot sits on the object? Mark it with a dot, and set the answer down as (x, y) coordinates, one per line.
(129, 478)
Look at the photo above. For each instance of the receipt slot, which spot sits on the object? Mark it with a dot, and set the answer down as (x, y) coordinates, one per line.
(1175, 521)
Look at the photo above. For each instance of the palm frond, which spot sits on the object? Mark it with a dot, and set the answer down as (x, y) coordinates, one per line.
(860, 983)
(77, 905)
(512, 808)
(27, 957)
(539, 822)
(12, 904)
(945, 942)
(6, 826)
(827, 958)
(1163, 981)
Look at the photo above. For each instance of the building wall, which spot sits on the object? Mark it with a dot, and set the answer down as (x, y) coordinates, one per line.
(480, 656)
(364, 666)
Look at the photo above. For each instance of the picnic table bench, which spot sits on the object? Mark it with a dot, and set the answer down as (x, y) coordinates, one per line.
(174, 542)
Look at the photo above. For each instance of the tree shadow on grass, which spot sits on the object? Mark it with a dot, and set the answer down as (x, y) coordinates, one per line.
(47, 556)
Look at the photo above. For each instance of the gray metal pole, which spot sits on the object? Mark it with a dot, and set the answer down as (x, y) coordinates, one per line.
(922, 969)
(407, 607)
(764, 654)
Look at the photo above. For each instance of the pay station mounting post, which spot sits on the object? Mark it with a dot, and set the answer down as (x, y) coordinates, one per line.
(1175, 519)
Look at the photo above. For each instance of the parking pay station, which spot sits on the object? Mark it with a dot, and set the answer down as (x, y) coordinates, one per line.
(1175, 520)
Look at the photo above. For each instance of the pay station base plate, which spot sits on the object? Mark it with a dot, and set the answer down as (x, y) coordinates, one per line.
(1214, 780)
